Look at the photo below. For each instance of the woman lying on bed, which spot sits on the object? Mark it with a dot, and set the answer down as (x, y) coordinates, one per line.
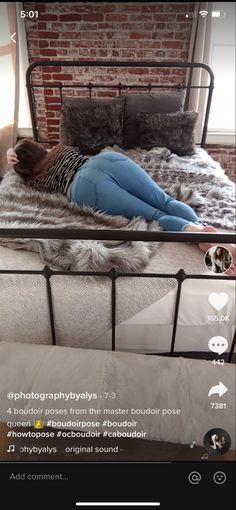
(108, 181)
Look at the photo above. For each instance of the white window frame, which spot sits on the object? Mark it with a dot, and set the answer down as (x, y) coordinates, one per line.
(23, 65)
(220, 136)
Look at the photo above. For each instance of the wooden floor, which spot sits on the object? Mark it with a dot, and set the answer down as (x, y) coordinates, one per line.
(129, 449)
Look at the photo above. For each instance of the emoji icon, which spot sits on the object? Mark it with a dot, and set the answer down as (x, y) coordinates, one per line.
(218, 344)
(220, 389)
(219, 477)
(38, 424)
(218, 300)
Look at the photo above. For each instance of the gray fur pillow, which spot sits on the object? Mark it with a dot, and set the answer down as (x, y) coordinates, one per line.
(90, 124)
(160, 102)
(172, 130)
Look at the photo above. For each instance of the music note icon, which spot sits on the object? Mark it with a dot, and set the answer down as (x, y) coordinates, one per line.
(205, 456)
(11, 448)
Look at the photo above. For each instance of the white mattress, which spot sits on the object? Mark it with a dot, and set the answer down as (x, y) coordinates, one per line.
(83, 319)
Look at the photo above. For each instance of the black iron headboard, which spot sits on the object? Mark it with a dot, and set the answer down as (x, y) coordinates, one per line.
(32, 86)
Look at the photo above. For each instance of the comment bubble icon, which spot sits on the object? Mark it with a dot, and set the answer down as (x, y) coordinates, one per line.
(218, 344)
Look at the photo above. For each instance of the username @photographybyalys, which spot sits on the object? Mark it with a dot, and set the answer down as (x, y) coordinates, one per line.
(35, 429)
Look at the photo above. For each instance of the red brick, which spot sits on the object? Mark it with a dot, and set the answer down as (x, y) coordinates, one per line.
(48, 92)
(52, 69)
(40, 7)
(47, 17)
(70, 17)
(138, 70)
(70, 35)
(125, 7)
(60, 44)
(172, 44)
(178, 72)
(51, 99)
(53, 108)
(140, 35)
(152, 44)
(53, 129)
(41, 26)
(106, 93)
(92, 17)
(176, 7)
(116, 17)
(46, 77)
(49, 35)
(48, 52)
(62, 76)
(181, 17)
(164, 17)
(43, 44)
(152, 8)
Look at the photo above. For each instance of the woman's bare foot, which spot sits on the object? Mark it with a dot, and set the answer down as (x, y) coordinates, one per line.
(206, 246)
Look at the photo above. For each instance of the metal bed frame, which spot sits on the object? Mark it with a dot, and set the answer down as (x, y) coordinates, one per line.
(180, 276)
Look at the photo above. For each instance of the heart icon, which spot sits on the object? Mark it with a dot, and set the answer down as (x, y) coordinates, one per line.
(218, 300)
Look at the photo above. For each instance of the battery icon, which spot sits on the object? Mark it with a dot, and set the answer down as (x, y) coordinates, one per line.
(218, 14)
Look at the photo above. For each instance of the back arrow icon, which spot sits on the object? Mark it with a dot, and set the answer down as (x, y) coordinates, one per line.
(219, 389)
(12, 37)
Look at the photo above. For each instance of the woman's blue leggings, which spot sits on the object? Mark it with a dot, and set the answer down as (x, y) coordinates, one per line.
(113, 183)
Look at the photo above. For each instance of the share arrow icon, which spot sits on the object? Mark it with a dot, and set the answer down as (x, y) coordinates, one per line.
(220, 389)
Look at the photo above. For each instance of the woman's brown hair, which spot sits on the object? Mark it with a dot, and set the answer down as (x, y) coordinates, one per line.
(30, 154)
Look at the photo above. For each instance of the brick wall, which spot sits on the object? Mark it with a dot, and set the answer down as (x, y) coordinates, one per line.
(226, 156)
(104, 31)
(108, 31)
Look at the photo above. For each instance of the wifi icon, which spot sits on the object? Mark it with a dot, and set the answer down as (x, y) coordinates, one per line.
(203, 13)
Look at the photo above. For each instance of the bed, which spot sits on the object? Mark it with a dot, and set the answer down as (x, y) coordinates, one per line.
(144, 303)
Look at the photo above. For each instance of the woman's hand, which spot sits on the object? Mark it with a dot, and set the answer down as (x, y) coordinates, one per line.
(12, 157)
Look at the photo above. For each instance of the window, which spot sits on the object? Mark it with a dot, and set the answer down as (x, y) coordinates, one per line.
(24, 121)
(7, 81)
(222, 117)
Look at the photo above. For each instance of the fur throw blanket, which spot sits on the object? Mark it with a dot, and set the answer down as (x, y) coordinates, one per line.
(24, 207)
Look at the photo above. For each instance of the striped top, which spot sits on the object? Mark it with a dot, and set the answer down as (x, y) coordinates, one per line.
(57, 169)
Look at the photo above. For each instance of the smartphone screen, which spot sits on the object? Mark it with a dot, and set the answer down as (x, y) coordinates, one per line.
(117, 254)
